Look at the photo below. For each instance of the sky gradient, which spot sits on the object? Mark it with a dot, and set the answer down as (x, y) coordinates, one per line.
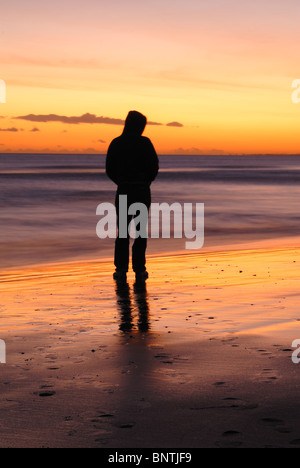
(213, 76)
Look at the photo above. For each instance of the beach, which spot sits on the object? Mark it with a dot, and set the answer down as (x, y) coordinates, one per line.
(200, 357)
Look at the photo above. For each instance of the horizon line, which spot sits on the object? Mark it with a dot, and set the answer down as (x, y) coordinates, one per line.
(159, 154)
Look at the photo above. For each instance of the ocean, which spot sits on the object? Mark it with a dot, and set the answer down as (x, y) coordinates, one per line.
(48, 203)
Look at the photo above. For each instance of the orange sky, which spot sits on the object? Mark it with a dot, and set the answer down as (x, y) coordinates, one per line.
(223, 69)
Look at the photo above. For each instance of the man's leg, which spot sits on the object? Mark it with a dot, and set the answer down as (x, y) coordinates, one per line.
(139, 255)
(140, 244)
(121, 246)
(122, 254)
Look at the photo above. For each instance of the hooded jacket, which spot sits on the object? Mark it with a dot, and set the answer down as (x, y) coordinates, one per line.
(131, 158)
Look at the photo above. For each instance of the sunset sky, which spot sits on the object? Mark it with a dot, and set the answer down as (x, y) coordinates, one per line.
(214, 76)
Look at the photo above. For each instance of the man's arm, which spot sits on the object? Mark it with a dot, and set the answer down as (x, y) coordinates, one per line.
(112, 164)
(153, 163)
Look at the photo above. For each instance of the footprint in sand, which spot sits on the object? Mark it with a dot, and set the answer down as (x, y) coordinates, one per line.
(101, 417)
(47, 394)
(44, 392)
(240, 404)
(272, 421)
(164, 358)
(295, 442)
(230, 439)
(277, 424)
(127, 426)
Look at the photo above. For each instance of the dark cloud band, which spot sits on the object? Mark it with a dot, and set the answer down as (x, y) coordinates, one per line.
(83, 119)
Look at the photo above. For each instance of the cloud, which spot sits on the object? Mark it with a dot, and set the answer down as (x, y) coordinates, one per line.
(83, 119)
(35, 129)
(12, 129)
(174, 124)
(199, 151)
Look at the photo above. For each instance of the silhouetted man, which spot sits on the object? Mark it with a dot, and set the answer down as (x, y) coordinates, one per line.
(132, 164)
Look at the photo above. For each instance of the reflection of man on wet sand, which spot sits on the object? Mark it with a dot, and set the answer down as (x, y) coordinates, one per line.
(127, 308)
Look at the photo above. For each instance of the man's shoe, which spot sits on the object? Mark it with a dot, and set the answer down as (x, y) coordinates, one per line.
(120, 275)
(141, 275)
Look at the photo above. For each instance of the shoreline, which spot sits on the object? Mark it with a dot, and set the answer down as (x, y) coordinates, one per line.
(281, 243)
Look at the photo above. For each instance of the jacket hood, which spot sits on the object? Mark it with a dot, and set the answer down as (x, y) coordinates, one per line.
(135, 123)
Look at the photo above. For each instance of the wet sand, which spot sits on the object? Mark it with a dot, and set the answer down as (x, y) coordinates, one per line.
(200, 357)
